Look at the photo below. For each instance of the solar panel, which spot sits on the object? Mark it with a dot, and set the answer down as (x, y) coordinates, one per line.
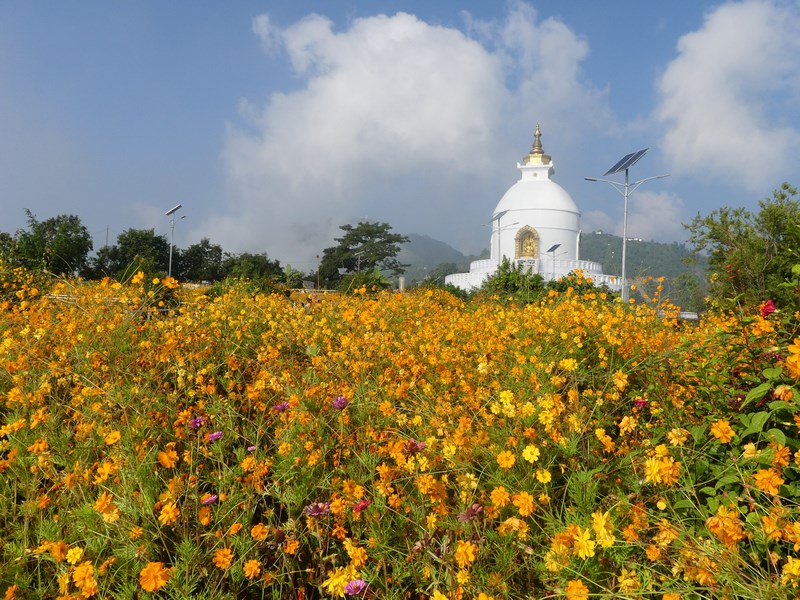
(626, 162)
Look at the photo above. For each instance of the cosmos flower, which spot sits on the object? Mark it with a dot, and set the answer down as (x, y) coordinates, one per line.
(317, 509)
(355, 587)
(197, 422)
(154, 576)
(340, 402)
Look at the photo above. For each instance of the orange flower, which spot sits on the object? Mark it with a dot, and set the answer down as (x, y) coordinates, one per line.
(291, 546)
(167, 458)
(251, 569)
(153, 577)
(576, 590)
(506, 460)
(223, 558)
(768, 480)
(524, 503)
(500, 496)
(83, 576)
(259, 532)
(722, 431)
(466, 553)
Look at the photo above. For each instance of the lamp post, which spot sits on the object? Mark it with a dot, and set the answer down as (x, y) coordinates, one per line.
(552, 251)
(626, 189)
(496, 219)
(171, 213)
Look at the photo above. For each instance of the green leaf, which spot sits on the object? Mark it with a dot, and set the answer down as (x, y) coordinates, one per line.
(757, 393)
(777, 436)
(772, 373)
(781, 405)
(684, 504)
(698, 433)
(708, 491)
(757, 423)
(723, 481)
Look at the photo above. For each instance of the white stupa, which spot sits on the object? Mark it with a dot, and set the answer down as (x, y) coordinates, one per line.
(536, 224)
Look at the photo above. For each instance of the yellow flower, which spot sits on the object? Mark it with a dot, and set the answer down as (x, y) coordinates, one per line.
(603, 528)
(223, 558)
(113, 437)
(583, 545)
(722, 431)
(154, 576)
(791, 572)
(677, 436)
(337, 581)
(620, 380)
(506, 460)
(531, 453)
(169, 513)
(251, 569)
(543, 476)
(74, 555)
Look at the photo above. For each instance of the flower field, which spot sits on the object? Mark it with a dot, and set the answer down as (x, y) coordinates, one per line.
(251, 445)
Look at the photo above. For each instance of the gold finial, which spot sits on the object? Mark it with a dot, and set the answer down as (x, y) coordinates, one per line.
(537, 142)
(537, 154)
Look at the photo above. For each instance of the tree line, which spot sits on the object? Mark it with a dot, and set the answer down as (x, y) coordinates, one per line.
(750, 255)
(62, 245)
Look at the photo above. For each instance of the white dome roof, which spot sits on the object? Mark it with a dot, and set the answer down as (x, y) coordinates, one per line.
(530, 194)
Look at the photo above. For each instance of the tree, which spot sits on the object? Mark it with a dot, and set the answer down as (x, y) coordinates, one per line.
(60, 244)
(363, 247)
(251, 266)
(199, 262)
(751, 254)
(511, 279)
(136, 249)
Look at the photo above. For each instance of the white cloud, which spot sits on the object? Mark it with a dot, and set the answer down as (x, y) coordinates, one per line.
(721, 96)
(396, 120)
(652, 216)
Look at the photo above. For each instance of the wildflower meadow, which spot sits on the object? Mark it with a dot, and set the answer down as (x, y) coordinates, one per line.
(158, 441)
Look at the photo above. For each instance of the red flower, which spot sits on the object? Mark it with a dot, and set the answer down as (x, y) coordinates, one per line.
(767, 308)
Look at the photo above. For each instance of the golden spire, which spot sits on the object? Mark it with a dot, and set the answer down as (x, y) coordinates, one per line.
(537, 154)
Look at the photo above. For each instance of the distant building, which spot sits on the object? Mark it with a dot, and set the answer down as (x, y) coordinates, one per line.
(537, 225)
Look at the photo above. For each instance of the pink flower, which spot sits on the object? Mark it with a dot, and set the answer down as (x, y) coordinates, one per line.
(767, 308)
(213, 437)
(355, 587)
(340, 402)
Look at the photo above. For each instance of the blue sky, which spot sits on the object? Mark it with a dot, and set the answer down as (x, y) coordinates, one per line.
(275, 122)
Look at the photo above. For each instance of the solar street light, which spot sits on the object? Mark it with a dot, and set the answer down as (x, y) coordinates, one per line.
(626, 189)
(171, 213)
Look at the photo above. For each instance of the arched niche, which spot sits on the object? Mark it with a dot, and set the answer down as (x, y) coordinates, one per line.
(526, 243)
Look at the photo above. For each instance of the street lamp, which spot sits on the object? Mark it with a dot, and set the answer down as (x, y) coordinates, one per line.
(552, 251)
(171, 213)
(626, 189)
